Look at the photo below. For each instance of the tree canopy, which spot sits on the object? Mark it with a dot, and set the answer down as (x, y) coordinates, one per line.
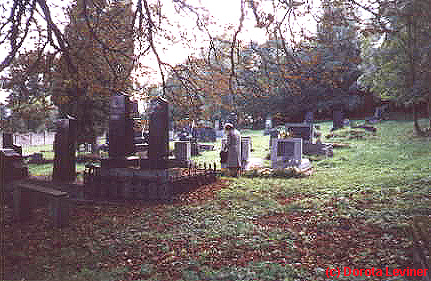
(102, 47)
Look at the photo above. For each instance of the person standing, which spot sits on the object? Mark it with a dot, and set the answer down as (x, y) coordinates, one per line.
(234, 149)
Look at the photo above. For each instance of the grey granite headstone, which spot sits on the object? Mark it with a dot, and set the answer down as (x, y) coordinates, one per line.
(183, 150)
(273, 134)
(245, 149)
(337, 122)
(288, 153)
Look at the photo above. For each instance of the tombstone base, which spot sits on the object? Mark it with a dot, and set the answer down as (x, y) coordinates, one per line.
(302, 165)
(146, 164)
(317, 149)
(109, 163)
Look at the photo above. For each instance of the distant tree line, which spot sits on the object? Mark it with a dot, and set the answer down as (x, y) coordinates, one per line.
(73, 68)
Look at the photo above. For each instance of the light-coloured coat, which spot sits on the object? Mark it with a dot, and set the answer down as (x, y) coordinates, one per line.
(234, 149)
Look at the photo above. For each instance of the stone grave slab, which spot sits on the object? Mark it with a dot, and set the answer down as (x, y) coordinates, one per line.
(288, 153)
(305, 131)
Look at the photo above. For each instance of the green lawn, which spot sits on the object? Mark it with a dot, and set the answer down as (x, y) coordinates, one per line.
(351, 212)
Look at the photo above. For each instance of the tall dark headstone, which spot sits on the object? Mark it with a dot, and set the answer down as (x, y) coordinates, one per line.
(301, 130)
(7, 140)
(337, 122)
(121, 132)
(64, 150)
(8, 143)
(132, 113)
(159, 134)
(117, 127)
(12, 167)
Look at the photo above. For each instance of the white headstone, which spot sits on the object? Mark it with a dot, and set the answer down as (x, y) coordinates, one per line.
(183, 150)
(268, 123)
(245, 148)
(288, 153)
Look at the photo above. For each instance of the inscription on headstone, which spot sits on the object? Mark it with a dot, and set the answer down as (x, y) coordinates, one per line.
(286, 149)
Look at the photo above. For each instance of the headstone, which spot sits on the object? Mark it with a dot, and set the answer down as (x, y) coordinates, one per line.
(223, 147)
(7, 140)
(217, 124)
(11, 166)
(117, 127)
(159, 133)
(35, 158)
(210, 134)
(8, 143)
(378, 113)
(194, 147)
(288, 153)
(130, 115)
(273, 134)
(268, 126)
(2, 171)
(183, 150)
(337, 122)
(64, 150)
(309, 117)
(301, 130)
(245, 150)
(121, 131)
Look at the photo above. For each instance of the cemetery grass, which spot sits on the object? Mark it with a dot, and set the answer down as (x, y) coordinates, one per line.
(351, 212)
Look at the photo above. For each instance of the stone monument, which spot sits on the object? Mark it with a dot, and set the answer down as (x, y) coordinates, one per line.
(121, 134)
(245, 150)
(268, 126)
(183, 150)
(7, 140)
(337, 122)
(64, 150)
(288, 153)
(8, 143)
(305, 131)
(159, 134)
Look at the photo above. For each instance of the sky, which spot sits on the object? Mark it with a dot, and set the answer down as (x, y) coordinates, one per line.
(224, 13)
